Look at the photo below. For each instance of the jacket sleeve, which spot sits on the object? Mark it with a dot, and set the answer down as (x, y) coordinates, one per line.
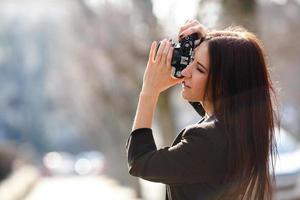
(192, 160)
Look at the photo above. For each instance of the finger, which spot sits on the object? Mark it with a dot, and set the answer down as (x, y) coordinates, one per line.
(199, 29)
(165, 52)
(152, 52)
(186, 26)
(187, 21)
(160, 50)
(169, 56)
(176, 80)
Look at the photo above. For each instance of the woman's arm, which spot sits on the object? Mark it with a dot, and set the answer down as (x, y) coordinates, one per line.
(145, 111)
(157, 78)
(198, 158)
(167, 165)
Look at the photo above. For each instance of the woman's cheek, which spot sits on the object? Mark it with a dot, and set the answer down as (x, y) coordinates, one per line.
(201, 88)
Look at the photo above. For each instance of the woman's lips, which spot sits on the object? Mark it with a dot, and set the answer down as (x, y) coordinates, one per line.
(185, 85)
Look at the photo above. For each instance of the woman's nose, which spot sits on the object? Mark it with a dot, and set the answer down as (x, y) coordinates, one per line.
(186, 72)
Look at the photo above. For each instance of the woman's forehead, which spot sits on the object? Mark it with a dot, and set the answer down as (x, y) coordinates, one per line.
(202, 48)
(201, 54)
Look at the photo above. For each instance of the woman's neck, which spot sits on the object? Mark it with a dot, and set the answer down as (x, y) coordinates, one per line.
(208, 107)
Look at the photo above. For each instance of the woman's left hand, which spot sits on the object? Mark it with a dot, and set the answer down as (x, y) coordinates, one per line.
(190, 27)
(157, 76)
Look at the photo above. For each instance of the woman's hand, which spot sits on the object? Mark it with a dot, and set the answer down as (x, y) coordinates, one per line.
(190, 27)
(157, 76)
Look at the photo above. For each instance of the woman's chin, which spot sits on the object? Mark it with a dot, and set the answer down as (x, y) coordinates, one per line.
(185, 96)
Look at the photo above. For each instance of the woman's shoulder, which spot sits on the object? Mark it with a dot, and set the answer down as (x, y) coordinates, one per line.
(211, 131)
(205, 126)
(208, 140)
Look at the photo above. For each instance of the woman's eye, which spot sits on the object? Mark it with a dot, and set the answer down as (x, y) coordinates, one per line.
(200, 70)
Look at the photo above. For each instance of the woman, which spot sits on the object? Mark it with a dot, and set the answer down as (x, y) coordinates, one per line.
(228, 153)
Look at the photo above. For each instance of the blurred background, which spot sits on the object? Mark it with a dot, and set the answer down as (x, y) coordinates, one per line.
(70, 75)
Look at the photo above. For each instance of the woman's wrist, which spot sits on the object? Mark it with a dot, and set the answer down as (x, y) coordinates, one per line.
(148, 93)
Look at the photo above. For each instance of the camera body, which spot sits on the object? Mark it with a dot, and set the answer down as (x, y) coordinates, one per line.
(183, 53)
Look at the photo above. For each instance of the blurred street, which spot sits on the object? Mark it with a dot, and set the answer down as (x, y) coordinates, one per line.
(27, 183)
(77, 187)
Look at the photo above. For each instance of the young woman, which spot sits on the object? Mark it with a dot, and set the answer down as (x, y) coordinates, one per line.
(228, 154)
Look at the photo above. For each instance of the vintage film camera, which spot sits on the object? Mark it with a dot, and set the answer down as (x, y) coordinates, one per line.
(183, 53)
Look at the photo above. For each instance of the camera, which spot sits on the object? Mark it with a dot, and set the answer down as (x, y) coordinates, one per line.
(183, 53)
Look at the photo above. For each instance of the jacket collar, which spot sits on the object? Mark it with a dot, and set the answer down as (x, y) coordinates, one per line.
(198, 108)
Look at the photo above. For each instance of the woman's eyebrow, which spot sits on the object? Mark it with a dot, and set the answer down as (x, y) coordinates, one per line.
(201, 65)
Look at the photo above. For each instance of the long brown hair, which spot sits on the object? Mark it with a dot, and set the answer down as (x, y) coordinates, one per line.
(242, 95)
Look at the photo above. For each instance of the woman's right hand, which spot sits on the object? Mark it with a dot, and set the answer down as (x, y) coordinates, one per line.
(190, 27)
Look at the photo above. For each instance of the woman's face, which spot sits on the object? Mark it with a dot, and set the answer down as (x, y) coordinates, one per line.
(196, 75)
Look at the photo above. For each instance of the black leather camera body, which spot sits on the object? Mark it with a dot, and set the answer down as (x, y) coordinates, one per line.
(183, 53)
